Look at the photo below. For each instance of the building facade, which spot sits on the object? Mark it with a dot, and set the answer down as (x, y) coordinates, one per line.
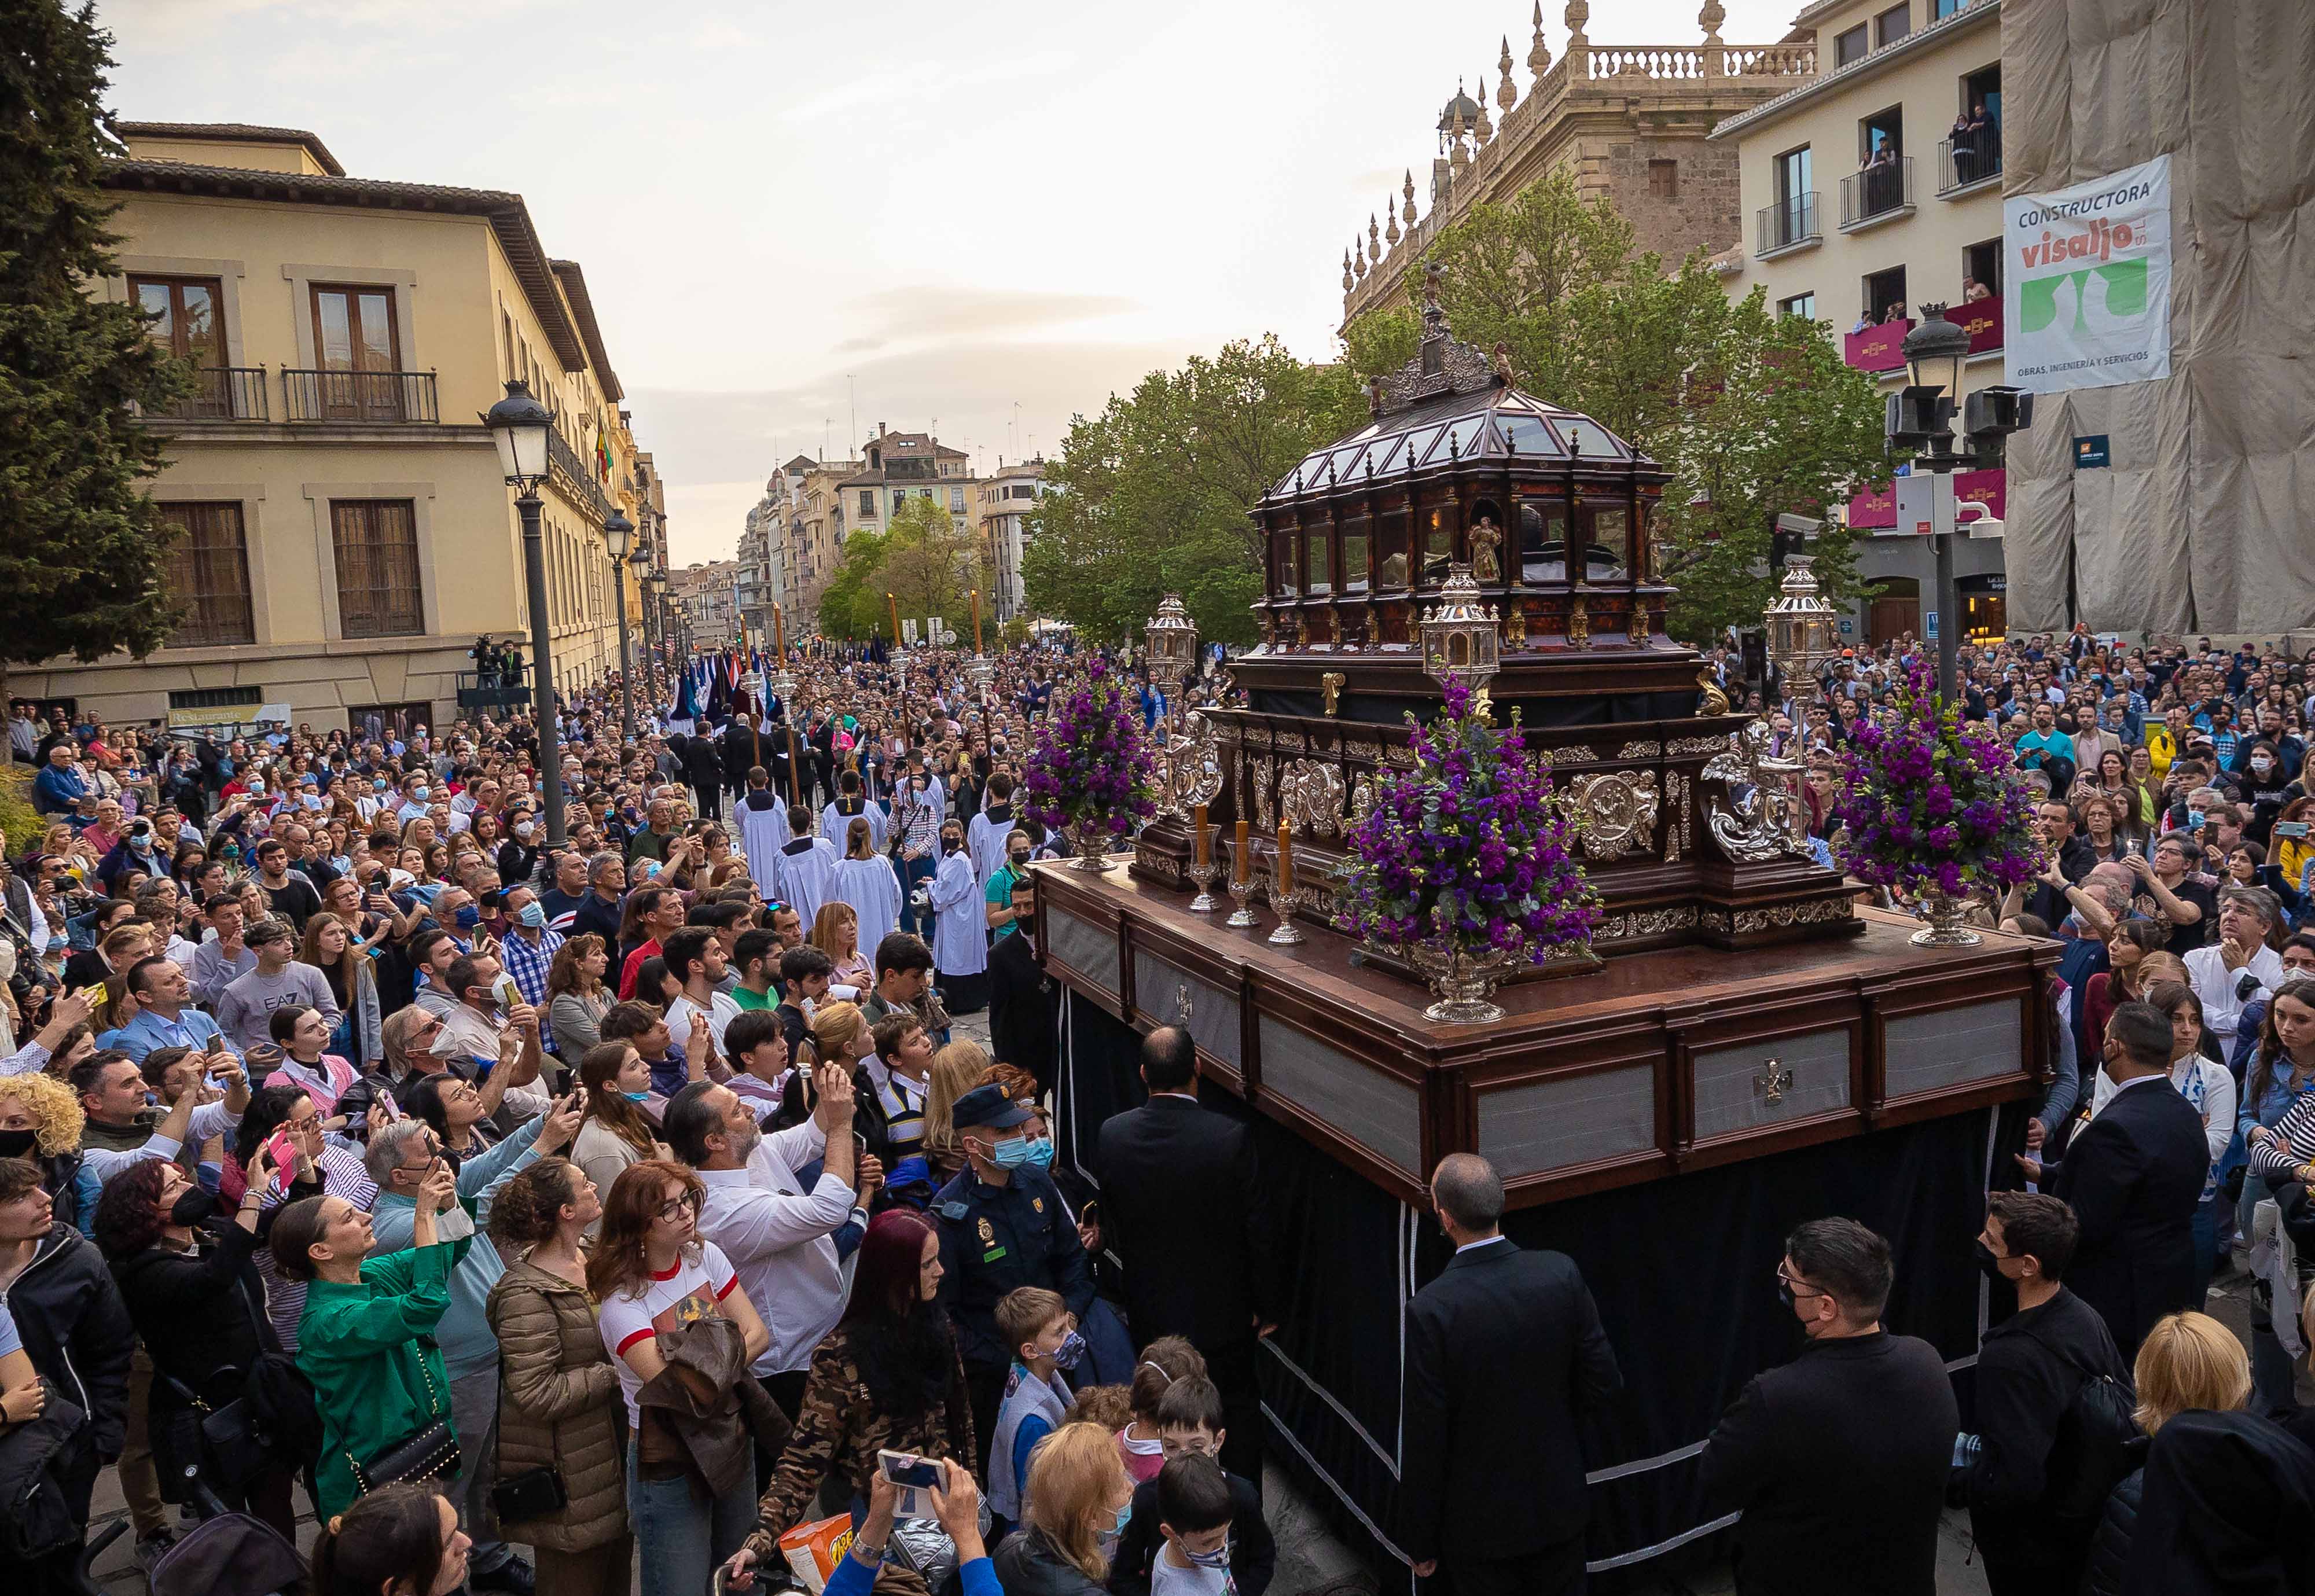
(1632, 121)
(1002, 506)
(347, 530)
(1870, 191)
(707, 598)
(898, 466)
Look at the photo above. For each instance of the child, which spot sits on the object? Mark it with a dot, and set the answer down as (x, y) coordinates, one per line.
(1036, 1324)
(1194, 1510)
(1167, 1358)
(1110, 1407)
(1189, 1424)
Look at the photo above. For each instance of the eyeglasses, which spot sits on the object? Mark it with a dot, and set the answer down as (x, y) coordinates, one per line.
(673, 1208)
(1797, 1287)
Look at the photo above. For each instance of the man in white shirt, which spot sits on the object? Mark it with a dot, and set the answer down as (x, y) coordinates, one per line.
(2240, 966)
(696, 957)
(775, 1231)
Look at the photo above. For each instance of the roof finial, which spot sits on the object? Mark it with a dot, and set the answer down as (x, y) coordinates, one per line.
(1409, 191)
(1506, 95)
(1539, 55)
(1711, 17)
(1349, 282)
(1374, 239)
(1578, 12)
(1483, 129)
(1391, 226)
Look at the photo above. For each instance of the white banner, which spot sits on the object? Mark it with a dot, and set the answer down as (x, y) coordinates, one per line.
(2087, 282)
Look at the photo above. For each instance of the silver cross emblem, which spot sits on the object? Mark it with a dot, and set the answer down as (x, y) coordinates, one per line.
(1773, 1080)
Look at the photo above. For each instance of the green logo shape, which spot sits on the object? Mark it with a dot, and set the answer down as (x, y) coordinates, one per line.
(2125, 295)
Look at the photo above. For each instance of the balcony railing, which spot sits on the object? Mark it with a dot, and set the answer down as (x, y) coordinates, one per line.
(570, 467)
(1979, 158)
(1875, 192)
(366, 396)
(223, 394)
(1788, 224)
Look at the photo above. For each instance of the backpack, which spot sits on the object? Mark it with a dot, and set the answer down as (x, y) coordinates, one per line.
(2092, 1450)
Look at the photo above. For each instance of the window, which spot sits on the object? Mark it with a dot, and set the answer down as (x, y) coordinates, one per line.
(1795, 173)
(191, 327)
(899, 497)
(1883, 127)
(956, 500)
(1893, 24)
(1946, 8)
(1982, 263)
(1849, 47)
(1803, 306)
(1884, 291)
(209, 574)
(377, 544)
(867, 504)
(1663, 179)
(354, 341)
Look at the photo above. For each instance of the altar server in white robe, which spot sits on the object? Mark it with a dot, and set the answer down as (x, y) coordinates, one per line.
(865, 880)
(960, 927)
(763, 817)
(985, 837)
(807, 870)
(848, 805)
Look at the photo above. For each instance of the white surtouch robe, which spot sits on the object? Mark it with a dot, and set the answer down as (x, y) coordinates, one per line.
(806, 876)
(984, 839)
(960, 923)
(763, 817)
(836, 825)
(874, 892)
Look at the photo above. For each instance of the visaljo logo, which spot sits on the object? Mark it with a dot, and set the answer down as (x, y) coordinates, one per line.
(2103, 295)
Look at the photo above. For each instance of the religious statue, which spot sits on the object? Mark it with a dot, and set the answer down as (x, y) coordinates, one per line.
(1330, 684)
(1716, 702)
(1500, 363)
(1484, 539)
(1579, 622)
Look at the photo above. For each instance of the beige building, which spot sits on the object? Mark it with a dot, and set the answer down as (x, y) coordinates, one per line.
(707, 598)
(816, 525)
(348, 530)
(899, 467)
(1870, 191)
(1002, 507)
(1632, 121)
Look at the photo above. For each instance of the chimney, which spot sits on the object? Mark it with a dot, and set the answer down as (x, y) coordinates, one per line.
(880, 428)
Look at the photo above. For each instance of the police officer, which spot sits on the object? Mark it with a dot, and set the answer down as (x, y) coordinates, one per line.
(1002, 1225)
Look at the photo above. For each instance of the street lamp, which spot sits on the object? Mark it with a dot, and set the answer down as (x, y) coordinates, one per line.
(618, 537)
(522, 426)
(1919, 417)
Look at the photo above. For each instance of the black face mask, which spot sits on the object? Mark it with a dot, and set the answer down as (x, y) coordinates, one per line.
(192, 1207)
(18, 1143)
(1989, 1263)
(1785, 1294)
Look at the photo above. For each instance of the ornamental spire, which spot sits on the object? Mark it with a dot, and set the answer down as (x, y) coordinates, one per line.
(1539, 55)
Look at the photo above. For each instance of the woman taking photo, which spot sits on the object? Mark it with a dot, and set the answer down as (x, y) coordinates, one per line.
(614, 1133)
(1079, 1500)
(2102, 823)
(193, 1294)
(558, 1392)
(330, 946)
(303, 1035)
(835, 932)
(653, 1276)
(838, 1035)
(454, 1106)
(576, 998)
(2118, 983)
(888, 1378)
(366, 1341)
(399, 1541)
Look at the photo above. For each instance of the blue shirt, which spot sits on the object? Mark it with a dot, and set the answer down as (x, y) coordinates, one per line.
(149, 1030)
(464, 1332)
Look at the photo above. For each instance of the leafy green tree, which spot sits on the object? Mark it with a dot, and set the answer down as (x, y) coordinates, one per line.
(1154, 491)
(852, 606)
(1755, 415)
(930, 568)
(82, 555)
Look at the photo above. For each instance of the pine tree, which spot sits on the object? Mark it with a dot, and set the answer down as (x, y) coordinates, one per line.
(82, 544)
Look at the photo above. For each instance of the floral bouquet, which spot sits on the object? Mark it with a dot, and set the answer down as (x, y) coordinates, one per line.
(1932, 808)
(1466, 862)
(1090, 771)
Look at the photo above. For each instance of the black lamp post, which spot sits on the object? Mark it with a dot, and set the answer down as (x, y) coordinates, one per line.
(1920, 417)
(640, 560)
(522, 425)
(618, 537)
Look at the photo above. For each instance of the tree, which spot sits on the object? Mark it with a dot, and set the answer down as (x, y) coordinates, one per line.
(852, 606)
(82, 557)
(1754, 414)
(930, 568)
(1154, 491)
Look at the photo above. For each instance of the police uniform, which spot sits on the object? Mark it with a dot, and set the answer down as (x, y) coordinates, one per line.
(993, 1239)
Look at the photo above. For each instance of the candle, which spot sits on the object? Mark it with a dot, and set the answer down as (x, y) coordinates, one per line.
(779, 637)
(894, 605)
(1239, 870)
(976, 620)
(1285, 858)
(1205, 855)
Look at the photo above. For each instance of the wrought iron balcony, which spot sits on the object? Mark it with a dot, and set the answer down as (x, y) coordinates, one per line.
(222, 393)
(1876, 192)
(576, 476)
(360, 396)
(1978, 159)
(1788, 224)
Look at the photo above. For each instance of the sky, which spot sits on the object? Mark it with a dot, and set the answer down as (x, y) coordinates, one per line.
(797, 222)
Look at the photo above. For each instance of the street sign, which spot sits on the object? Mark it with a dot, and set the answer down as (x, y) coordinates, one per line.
(1933, 625)
(1848, 626)
(2090, 453)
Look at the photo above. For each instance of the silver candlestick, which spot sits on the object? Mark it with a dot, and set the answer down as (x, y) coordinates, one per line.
(1284, 902)
(1203, 875)
(1242, 894)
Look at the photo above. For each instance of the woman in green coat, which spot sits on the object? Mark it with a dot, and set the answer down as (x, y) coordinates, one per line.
(366, 1339)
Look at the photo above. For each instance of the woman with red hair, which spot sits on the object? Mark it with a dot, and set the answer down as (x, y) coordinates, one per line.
(888, 1378)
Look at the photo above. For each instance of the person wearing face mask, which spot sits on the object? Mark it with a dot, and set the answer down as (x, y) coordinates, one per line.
(997, 896)
(1838, 1459)
(1042, 1334)
(960, 927)
(518, 854)
(1003, 1225)
(1079, 1503)
(2033, 1505)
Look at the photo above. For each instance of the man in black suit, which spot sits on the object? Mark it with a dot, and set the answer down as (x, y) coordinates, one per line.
(1181, 1207)
(1837, 1459)
(1503, 1350)
(703, 767)
(2135, 1176)
(1023, 1001)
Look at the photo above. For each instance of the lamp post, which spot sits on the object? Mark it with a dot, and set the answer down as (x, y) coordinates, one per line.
(618, 537)
(1920, 417)
(522, 425)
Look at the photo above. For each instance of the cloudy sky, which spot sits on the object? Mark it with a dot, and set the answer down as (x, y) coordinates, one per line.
(982, 217)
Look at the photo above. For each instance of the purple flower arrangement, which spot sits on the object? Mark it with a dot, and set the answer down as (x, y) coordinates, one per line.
(1931, 804)
(1469, 850)
(1091, 766)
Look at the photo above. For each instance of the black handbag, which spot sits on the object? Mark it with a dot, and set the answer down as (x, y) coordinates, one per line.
(531, 1494)
(432, 1454)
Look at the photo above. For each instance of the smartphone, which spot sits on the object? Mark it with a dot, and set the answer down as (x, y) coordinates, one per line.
(906, 1469)
(2291, 828)
(281, 1153)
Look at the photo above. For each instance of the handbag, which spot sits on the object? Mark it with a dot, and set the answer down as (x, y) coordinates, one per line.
(535, 1491)
(432, 1454)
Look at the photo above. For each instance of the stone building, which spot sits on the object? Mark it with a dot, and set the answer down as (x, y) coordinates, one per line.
(1632, 121)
